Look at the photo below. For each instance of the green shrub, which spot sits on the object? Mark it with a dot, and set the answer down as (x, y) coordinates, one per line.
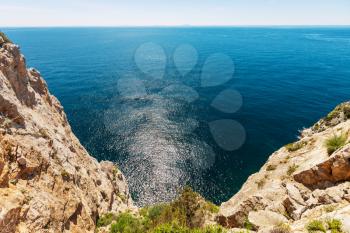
(186, 214)
(188, 210)
(248, 225)
(171, 228)
(157, 214)
(176, 228)
(212, 208)
(315, 225)
(295, 146)
(155, 211)
(335, 142)
(127, 223)
(335, 225)
(213, 229)
(105, 220)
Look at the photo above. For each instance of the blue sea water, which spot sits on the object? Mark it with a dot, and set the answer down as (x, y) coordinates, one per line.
(284, 79)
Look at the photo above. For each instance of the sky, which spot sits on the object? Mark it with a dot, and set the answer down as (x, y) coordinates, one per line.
(16, 13)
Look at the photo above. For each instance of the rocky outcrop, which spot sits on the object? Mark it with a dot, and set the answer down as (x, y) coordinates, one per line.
(48, 181)
(299, 183)
(328, 173)
(340, 114)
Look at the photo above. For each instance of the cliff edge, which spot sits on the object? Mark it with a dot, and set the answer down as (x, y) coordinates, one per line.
(303, 187)
(48, 181)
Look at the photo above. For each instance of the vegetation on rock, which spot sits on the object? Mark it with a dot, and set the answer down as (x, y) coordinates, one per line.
(329, 208)
(283, 228)
(127, 223)
(330, 225)
(335, 225)
(335, 142)
(315, 225)
(105, 220)
(340, 109)
(271, 167)
(295, 146)
(175, 228)
(292, 169)
(186, 214)
(248, 225)
(340, 114)
(261, 182)
(65, 175)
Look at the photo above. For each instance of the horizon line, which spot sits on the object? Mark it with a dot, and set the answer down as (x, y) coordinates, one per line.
(184, 25)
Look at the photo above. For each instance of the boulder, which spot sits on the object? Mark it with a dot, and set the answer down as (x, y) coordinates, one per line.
(266, 218)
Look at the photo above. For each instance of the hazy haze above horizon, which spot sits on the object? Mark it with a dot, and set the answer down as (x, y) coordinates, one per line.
(173, 13)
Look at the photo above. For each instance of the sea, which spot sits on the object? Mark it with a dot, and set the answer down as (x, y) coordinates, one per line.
(190, 106)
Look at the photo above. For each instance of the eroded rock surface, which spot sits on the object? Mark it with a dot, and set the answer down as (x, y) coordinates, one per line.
(299, 183)
(48, 181)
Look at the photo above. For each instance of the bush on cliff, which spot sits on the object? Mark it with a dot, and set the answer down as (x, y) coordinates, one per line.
(335, 142)
(330, 225)
(338, 111)
(189, 209)
(186, 214)
(335, 225)
(315, 226)
(127, 223)
(176, 228)
(291, 147)
(105, 220)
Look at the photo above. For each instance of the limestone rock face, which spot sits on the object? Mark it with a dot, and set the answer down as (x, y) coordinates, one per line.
(333, 170)
(266, 218)
(299, 183)
(48, 181)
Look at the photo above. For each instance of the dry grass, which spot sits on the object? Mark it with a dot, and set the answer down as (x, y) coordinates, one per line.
(291, 147)
(336, 142)
(292, 169)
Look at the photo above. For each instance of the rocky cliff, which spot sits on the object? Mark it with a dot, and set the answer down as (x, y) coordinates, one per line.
(48, 181)
(303, 184)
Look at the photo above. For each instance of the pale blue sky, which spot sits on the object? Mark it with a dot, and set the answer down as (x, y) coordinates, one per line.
(176, 12)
